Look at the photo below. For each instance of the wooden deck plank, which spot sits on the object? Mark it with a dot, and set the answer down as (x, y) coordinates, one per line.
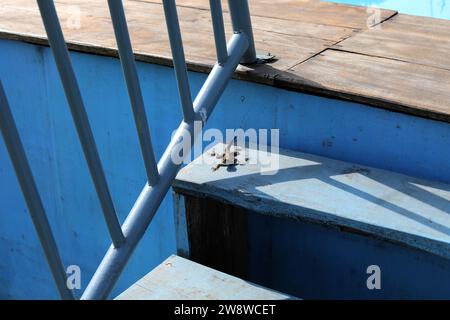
(291, 42)
(180, 279)
(400, 86)
(401, 65)
(149, 36)
(312, 11)
(408, 38)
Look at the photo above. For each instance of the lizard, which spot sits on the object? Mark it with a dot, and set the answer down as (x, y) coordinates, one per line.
(228, 157)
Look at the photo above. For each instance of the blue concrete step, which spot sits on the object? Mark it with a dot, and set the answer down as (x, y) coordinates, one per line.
(316, 227)
(387, 204)
(181, 279)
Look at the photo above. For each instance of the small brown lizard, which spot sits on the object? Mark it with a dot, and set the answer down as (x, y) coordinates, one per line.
(228, 157)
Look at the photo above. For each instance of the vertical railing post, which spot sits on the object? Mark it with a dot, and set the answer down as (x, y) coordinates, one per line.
(241, 21)
(33, 200)
(134, 89)
(179, 60)
(79, 115)
(219, 30)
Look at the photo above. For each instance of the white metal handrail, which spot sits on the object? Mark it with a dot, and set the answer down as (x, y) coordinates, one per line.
(240, 49)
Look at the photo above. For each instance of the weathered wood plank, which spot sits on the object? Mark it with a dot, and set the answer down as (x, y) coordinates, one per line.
(180, 279)
(291, 43)
(317, 12)
(408, 38)
(384, 204)
(400, 86)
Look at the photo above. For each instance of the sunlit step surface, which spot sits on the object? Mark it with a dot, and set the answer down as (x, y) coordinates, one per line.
(181, 279)
(388, 205)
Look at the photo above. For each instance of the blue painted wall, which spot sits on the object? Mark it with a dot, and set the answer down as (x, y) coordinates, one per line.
(313, 261)
(336, 129)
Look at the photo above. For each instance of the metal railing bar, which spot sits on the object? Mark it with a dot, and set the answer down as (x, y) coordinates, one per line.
(179, 62)
(219, 31)
(31, 195)
(150, 198)
(241, 21)
(134, 90)
(73, 95)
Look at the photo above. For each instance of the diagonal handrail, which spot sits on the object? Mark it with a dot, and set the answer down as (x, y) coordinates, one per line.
(134, 90)
(150, 198)
(240, 49)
